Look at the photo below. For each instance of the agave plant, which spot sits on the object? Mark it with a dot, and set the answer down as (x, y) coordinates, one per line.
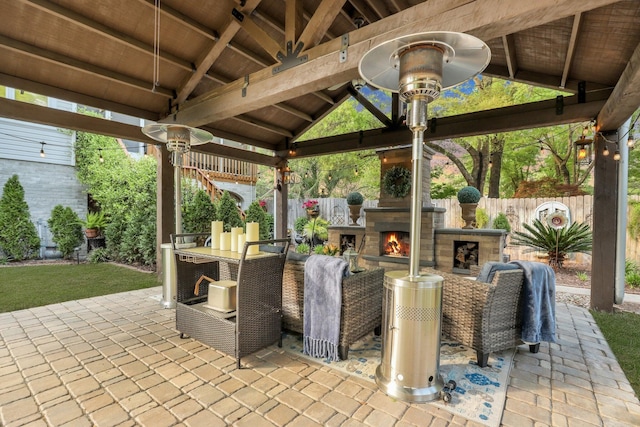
(556, 243)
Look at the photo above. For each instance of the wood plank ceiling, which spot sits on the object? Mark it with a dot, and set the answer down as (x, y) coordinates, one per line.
(262, 72)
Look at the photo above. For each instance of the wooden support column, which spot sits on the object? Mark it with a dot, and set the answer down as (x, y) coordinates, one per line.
(164, 202)
(605, 195)
(280, 196)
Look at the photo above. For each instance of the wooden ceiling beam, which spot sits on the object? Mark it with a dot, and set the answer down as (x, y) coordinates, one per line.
(293, 21)
(185, 20)
(79, 98)
(24, 111)
(542, 80)
(382, 117)
(625, 99)
(239, 154)
(570, 49)
(259, 35)
(209, 56)
(506, 119)
(509, 45)
(365, 11)
(319, 23)
(324, 69)
(84, 67)
(250, 121)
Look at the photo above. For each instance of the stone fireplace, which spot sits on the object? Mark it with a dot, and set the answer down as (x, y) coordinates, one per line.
(385, 239)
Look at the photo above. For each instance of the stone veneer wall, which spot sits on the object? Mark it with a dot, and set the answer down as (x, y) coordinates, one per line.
(399, 219)
(491, 245)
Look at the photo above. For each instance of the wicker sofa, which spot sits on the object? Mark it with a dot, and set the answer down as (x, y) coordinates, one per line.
(483, 316)
(361, 302)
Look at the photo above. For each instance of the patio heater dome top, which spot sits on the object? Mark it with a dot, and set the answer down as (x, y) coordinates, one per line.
(177, 137)
(462, 57)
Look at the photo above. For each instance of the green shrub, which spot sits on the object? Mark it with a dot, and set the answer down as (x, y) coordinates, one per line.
(469, 194)
(501, 222)
(125, 190)
(316, 228)
(95, 220)
(98, 255)
(18, 236)
(632, 274)
(302, 248)
(197, 212)
(556, 243)
(299, 224)
(255, 213)
(318, 249)
(355, 198)
(482, 218)
(227, 212)
(66, 230)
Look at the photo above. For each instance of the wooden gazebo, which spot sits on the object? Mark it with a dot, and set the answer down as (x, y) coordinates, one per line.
(263, 72)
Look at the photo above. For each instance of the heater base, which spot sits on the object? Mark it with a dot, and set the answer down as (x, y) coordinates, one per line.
(393, 388)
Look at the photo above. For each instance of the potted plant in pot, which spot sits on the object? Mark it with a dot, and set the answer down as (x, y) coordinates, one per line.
(354, 201)
(94, 223)
(312, 208)
(469, 197)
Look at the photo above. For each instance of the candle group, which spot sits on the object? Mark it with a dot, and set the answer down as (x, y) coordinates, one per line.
(234, 241)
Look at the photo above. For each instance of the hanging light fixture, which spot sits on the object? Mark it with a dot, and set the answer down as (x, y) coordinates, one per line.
(42, 149)
(179, 139)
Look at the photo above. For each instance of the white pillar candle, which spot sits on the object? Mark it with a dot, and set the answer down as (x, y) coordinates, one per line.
(225, 241)
(235, 232)
(216, 230)
(241, 238)
(253, 234)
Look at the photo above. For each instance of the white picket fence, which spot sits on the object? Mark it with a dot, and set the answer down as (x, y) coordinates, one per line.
(518, 211)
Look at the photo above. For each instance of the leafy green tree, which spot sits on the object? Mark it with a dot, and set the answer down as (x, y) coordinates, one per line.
(255, 213)
(18, 236)
(66, 229)
(197, 212)
(227, 212)
(125, 190)
(556, 243)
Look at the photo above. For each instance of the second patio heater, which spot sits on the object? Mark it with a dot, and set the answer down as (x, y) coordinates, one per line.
(179, 139)
(417, 67)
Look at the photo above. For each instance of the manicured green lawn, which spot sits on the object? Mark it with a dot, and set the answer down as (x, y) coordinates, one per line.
(622, 331)
(33, 286)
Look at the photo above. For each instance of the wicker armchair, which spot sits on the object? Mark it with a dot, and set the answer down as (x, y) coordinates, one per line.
(483, 316)
(361, 302)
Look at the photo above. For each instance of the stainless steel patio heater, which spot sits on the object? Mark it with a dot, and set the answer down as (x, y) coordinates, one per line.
(179, 139)
(417, 67)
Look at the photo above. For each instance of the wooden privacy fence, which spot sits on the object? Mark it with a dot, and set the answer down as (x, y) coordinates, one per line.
(518, 211)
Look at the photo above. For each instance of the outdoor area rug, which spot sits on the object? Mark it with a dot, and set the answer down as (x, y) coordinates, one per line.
(479, 395)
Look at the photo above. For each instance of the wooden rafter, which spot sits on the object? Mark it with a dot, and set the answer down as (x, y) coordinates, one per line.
(206, 60)
(570, 49)
(320, 22)
(508, 42)
(293, 21)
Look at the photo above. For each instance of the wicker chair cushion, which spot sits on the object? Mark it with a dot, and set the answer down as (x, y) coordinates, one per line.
(489, 270)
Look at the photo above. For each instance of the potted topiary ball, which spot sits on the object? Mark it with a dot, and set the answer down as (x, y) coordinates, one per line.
(469, 197)
(354, 201)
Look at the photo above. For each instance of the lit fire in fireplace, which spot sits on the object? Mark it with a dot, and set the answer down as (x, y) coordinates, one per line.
(395, 243)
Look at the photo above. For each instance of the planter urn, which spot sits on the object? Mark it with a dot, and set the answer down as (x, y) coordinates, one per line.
(469, 214)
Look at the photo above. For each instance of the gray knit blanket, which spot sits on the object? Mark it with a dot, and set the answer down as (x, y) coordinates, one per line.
(538, 302)
(322, 304)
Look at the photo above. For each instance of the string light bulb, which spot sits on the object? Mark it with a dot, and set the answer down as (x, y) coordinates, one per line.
(356, 171)
(42, 149)
(631, 142)
(384, 158)
(605, 151)
(101, 158)
(616, 155)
